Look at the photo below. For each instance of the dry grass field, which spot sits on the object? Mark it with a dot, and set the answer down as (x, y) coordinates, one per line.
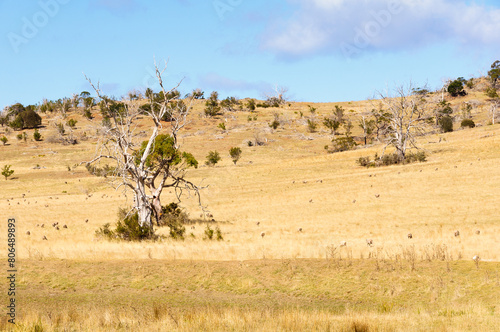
(287, 280)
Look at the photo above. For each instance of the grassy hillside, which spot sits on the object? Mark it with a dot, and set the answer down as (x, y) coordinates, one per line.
(305, 202)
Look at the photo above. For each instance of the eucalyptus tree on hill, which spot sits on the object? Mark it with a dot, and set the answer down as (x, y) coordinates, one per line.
(145, 167)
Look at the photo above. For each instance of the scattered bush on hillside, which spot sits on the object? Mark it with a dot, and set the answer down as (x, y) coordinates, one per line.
(342, 144)
(494, 73)
(491, 92)
(230, 104)
(26, 120)
(222, 126)
(467, 123)
(456, 88)
(88, 114)
(37, 136)
(60, 129)
(212, 105)
(213, 158)
(446, 124)
(4, 140)
(6, 171)
(392, 159)
(276, 122)
(209, 233)
(19, 136)
(251, 104)
(311, 125)
(235, 154)
(71, 123)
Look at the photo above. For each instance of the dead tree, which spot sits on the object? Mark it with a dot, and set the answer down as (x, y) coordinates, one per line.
(407, 118)
(145, 167)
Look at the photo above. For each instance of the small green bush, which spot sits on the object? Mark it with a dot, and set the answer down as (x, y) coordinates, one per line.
(275, 124)
(446, 124)
(467, 123)
(6, 171)
(213, 158)
(173, 217)
(37, 136)
(71, 123)
(60, 128)
(235, 154)
(4, 140)
(209, 233)
(128, 228)
(19, 136)
(491, 92)
(222, 126)
(343, 144)
(392, 159)
(311, 125)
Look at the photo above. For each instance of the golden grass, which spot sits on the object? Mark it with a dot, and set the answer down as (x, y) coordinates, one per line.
(289, 183)
(279, 295)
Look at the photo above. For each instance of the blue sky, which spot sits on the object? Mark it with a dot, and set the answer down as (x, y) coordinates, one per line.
(321, 50)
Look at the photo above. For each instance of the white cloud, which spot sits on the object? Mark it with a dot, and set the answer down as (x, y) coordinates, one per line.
(353, 27)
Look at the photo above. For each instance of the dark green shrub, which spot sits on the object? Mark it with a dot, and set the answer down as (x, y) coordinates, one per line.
(390, 159)
(212, 107)
(71, 123)
(446, 123)
(213, 158)
(173, 217)
(491, 92)
(365, 162)
(60, 128)
(311, 125)
(17, 124)
(209, 233)
(128, 228)
(275, 124)
(456, 87)
(235, 154)
(467, 123)
(6, 171)
(343, 144)
(88, 114)
(251, 104)
(4, 140)
(419, 156)
(218, 234)
(37, 136)
(19, 136)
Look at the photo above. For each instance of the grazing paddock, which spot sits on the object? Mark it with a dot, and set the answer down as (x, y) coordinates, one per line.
(290, 215)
